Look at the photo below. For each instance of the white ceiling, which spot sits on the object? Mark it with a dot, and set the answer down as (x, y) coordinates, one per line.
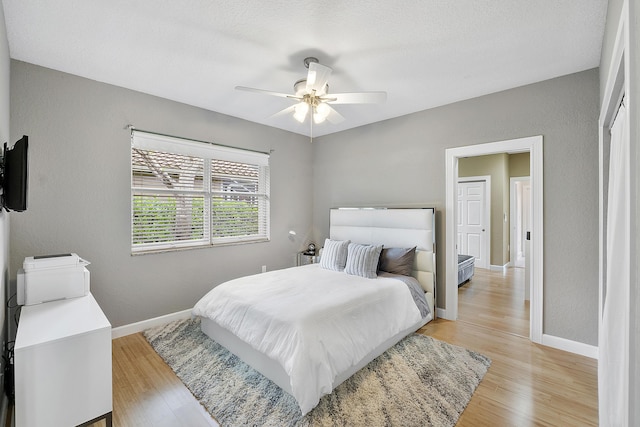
(422, 53)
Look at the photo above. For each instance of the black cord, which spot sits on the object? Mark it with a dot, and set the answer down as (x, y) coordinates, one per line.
(8, 357)
(16, 315)
(9, 301)
(9, 382)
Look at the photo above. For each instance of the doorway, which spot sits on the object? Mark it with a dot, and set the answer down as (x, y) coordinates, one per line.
(534, 146)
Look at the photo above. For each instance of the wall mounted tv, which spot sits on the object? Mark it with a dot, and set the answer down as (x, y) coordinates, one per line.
(15, 176)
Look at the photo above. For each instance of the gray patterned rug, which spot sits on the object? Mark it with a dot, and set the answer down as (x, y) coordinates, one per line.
(419, 382)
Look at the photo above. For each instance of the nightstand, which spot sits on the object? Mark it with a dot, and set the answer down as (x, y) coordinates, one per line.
(304, 259)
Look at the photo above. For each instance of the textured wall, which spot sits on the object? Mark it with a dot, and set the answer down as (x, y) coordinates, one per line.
(400, 162)
(79, 197)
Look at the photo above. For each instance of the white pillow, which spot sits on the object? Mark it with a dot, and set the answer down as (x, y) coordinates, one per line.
(334, 254)
(362, 260)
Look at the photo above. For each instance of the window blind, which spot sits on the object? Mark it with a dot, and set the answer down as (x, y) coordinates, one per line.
(186, 193)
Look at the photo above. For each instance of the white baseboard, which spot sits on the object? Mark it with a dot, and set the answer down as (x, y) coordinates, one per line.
(502, 268)
(551, 341)
(134, 328)
(441, 313)
(570, 346)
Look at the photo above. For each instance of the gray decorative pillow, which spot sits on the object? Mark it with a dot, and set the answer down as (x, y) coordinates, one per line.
(397, 260)
(362, 260)
(334, 254)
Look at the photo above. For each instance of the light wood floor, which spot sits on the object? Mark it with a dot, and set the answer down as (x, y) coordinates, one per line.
(527, 384)
(496, 301)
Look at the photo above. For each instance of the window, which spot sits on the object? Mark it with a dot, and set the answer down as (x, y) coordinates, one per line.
(188, 194)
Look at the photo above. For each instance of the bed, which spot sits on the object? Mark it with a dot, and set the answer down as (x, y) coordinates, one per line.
(309, 328)
(465, 268)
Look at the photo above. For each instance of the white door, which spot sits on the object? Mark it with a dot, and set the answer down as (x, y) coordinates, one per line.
(616, 326)
(520, 221)
(472, 221)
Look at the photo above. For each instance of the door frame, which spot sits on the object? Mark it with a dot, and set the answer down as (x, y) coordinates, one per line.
(617, 84)
(512, 215)
(533, 145)
(487, 211)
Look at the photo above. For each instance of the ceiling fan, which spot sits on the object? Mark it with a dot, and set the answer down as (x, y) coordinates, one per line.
(313, 97)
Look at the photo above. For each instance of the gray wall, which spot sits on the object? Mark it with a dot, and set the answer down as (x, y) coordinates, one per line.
(79, 198)
(401, 162)
(4, 217)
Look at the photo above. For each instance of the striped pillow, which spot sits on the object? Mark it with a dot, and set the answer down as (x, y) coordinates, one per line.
(334, 254)
(362, 260)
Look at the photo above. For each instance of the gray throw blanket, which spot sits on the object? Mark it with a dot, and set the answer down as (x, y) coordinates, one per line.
(416, 291)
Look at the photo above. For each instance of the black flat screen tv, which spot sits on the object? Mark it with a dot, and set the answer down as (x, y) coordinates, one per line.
(16, 176)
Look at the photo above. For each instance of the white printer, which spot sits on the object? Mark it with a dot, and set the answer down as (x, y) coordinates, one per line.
(52, 277)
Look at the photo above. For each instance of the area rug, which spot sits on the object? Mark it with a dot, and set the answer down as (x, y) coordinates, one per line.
(419, 382)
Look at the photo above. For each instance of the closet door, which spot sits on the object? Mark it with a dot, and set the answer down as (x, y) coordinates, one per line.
(613, 366)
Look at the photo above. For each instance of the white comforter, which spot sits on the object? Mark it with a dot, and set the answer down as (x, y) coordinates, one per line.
(316, 323)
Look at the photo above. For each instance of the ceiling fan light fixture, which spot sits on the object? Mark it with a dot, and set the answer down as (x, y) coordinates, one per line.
(323, 109)
(321, 112)
(300, 111)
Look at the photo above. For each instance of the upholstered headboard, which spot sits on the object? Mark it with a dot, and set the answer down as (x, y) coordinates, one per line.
(393, 228)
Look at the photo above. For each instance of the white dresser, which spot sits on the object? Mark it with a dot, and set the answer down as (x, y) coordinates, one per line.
(62, 364)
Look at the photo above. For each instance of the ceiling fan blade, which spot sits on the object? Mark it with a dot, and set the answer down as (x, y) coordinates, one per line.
(357, 98)
(267, 92)
(334, 117)
(317, 77)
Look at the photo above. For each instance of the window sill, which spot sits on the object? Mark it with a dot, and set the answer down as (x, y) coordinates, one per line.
(140, 251)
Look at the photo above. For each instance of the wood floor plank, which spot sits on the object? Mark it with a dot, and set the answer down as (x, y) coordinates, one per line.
(526, 385)
(146, 392)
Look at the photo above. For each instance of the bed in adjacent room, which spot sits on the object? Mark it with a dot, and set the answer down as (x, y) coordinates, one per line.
(309, 328)
(465, 268)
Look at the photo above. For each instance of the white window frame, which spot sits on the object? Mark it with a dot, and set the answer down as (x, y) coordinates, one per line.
(207, 151)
